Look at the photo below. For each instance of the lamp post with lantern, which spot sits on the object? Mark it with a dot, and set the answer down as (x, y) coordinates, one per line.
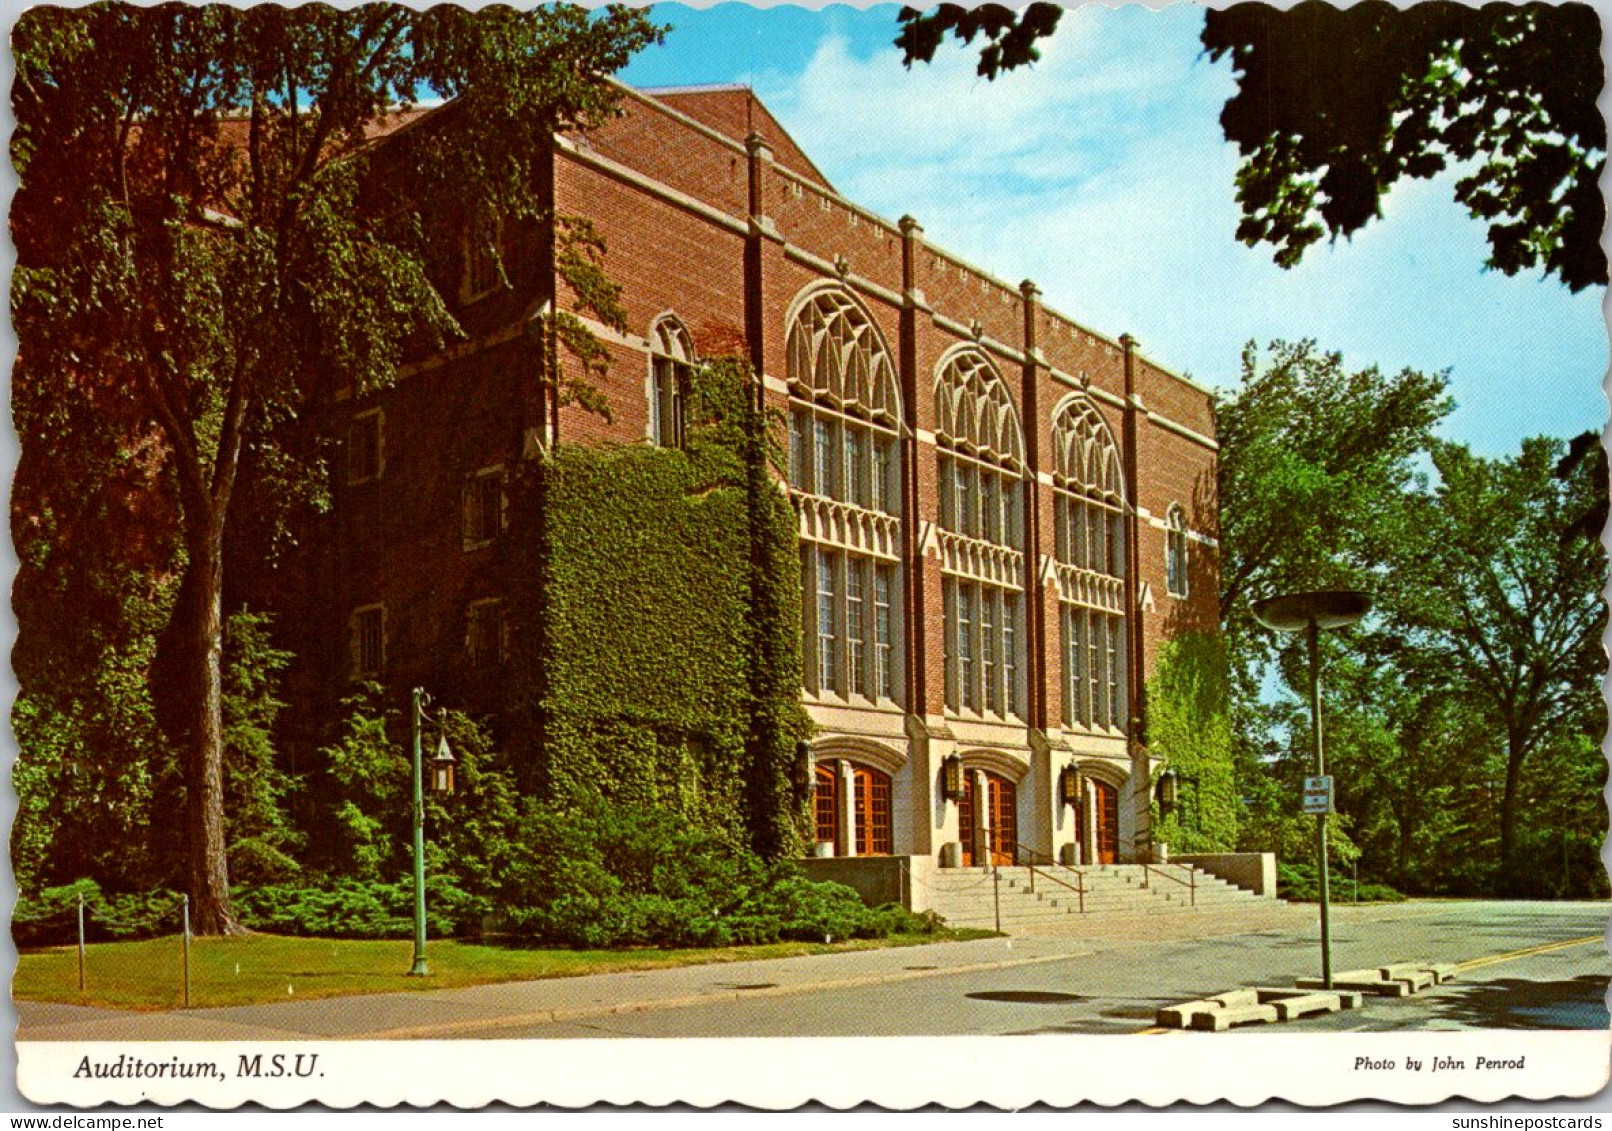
(441, 782)
(1310, 612)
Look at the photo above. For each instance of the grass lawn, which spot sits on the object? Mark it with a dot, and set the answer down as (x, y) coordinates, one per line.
(264, 968)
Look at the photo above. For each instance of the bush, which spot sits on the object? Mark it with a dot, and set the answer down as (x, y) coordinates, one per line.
(51, 917)
(615, 876)
(1300, 883)
(351, 909)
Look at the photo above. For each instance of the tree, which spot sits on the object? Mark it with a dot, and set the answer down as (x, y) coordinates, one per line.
(201, 229)
(1336, 104)
(1502, 603)
(1315, 465)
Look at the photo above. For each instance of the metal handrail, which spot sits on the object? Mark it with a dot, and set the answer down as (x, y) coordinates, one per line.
(1079, 887)
(1190, 883)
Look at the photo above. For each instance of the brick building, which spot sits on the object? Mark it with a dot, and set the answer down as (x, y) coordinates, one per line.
(1002, 513)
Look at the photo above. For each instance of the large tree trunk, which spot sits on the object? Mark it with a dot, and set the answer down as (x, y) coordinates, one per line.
(190, 709)
(1516, 751)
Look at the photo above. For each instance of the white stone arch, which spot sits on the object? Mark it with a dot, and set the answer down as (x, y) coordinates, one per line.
(838, 355)
(974, 410)
(1102, 770)
(1085, 455)
(867, 751)
(669, 337)
(998, 762)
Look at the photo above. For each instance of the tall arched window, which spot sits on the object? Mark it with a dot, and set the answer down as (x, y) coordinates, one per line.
(1175, 551)
(981, 464)
(845, 479)
(671, 362)
(1090, 516)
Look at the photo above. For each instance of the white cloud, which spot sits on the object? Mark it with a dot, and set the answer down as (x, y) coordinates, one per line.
(1102, 174)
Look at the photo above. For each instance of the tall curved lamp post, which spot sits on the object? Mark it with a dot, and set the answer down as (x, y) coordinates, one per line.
(1309, 613)
(441, 782)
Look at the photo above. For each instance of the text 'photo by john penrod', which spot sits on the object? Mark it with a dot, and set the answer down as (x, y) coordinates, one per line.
(547, 526)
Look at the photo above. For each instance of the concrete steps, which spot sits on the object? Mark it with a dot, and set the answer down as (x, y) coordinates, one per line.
(969, 897)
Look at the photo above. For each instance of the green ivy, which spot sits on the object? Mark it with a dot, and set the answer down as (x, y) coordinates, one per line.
(1188, 728)
(665, 673)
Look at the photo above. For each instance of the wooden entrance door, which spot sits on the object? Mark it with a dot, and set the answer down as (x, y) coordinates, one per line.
(870, 798)
(1003, 798)
(965, 819)
(826, 804)
(1002, 821)
(874, 835)
(1105, 800)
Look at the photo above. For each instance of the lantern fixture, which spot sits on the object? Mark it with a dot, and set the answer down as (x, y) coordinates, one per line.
(1069, 786)
(801, 778)
(442, 767)
(951, 778)
(1167, 792)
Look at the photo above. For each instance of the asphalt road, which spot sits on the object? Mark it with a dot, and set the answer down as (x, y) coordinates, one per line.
(1117, 987)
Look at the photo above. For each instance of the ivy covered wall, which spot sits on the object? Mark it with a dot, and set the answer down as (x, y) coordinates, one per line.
(1188, 727)
(661, 662)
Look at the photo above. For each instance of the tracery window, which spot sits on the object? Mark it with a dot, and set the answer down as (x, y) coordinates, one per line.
(1175, 551)
(1090, 516)
(671, 367)
(981, 465)
(845, 480)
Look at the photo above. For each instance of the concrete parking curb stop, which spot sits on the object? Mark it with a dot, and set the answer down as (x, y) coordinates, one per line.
(1261, 1005)
(1253, 1006)
(1400, 980)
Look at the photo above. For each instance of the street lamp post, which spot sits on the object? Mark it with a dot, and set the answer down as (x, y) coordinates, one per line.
(1311, 612)
(442, 782)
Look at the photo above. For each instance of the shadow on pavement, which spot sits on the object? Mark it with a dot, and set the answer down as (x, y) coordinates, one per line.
(1519, 1003)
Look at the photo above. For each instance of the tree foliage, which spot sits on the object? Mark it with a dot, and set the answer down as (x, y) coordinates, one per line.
(1501, 604)
(1335, 105)
(1314, 466)
(202, 241)
(1472, 692)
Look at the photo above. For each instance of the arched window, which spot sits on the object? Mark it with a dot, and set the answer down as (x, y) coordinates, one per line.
(1175, 551)
(671, 363)
(1090, 515)
(980, 453)
(845, 479)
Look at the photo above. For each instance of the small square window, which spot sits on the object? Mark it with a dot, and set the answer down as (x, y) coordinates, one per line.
(482, 513)
(369, 641)
(365, 450)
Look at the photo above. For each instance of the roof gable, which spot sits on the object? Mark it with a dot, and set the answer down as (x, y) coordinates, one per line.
(735, 112)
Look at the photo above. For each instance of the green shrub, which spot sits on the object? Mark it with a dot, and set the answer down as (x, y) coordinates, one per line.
(615, 876)
(350, 909)
(1300, 883)
(51, 917)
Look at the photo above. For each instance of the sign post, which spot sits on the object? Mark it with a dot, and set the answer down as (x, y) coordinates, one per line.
(1309, 613)
(1318, 795)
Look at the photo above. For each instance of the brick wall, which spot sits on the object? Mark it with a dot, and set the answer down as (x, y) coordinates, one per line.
(676, 225)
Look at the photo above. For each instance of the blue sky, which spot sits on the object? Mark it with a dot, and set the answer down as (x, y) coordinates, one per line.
(1102, 174)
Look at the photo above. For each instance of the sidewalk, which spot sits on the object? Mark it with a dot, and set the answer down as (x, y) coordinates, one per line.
(449, 1013)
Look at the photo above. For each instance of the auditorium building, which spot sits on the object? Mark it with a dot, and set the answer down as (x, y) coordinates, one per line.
(1002, 512)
